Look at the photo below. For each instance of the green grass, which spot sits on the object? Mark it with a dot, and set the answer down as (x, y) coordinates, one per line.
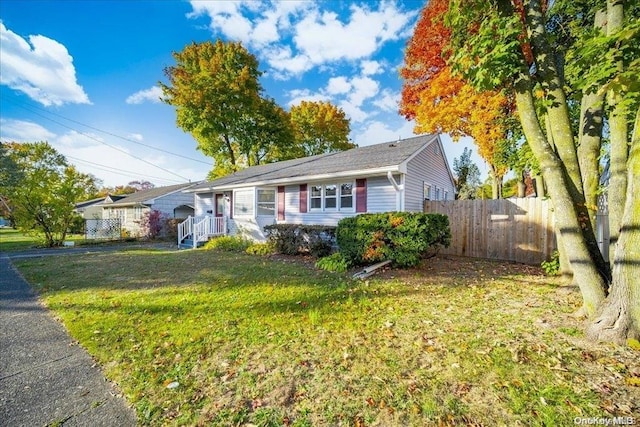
(274, 342)
(16, 240)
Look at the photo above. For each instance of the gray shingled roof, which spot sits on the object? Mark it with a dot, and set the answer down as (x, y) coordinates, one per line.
(388, 154)
(140, 197)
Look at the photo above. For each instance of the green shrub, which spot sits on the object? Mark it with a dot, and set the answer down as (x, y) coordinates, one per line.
(552, 267)
(402, 237)
(261, 249)
(76, 226)
(228, 244)
(295, 239)
(336, 262)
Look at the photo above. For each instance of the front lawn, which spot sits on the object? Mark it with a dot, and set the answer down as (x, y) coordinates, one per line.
(211, 338)
(16, 240)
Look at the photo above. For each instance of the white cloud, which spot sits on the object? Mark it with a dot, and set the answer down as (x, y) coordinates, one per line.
(253, 23)
(283, 60)
(371, 67)
(354, 112)
(363, 88)
(297, 96)
(325, 38)
(388, 101)
(153, 94)
(136, 137)
(90, 154)
(318, 37)
(377, 132)
(22, 131)
(338, 85)
(41, 68)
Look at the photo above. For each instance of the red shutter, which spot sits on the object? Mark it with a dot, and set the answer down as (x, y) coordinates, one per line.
(281, 203)
(231, 204)
(361, 195)
(303, 198)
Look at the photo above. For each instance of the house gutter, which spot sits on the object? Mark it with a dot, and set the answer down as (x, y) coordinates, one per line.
(399, 191)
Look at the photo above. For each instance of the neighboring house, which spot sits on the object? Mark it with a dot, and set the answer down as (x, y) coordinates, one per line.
(90, 209)
(322, 189)
(130, 208)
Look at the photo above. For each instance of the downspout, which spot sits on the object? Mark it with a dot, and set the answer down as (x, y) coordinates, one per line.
(399, 192)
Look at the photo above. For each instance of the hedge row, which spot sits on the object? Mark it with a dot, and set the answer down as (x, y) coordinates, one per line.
(402, 237)
(294, 239)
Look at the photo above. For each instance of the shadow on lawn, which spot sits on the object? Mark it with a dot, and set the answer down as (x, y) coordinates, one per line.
(247, 283)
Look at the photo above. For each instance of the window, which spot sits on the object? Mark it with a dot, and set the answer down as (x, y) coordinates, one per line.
(266, 202)
(437, 194)
(243, 203)
(426, 191)
(120, 214)
(346, 196)
(332, 197)
(446, 195)
(315, 197)
(137, 212)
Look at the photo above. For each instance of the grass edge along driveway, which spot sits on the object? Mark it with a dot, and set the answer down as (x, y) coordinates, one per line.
(213, 338)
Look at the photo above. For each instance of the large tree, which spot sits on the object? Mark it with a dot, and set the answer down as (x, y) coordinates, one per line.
(467, 176)
(214, 87)
(43, 201)
(514, 46)
(440, 101)
(320, 127)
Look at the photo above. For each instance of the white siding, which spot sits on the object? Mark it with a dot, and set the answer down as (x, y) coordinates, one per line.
(428, 166)
(203, 203)
(381, 196)
(167, 204)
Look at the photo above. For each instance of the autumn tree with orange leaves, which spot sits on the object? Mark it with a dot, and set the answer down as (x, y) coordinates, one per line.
(438, 101)
(572, 68)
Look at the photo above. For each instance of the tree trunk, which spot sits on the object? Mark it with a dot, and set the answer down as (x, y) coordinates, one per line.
(559, 124)
(618, 318)
(585, 273)
(618, 137)
(538, 186)
(496, 183)
(590, 136)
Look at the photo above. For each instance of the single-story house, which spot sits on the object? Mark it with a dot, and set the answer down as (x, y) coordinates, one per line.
(322, 189)
(171, 201)
(90, 209)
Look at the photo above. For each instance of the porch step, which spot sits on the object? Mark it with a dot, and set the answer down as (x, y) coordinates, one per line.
(188, 244)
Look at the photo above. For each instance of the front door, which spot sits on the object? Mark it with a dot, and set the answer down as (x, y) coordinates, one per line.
(219, 205)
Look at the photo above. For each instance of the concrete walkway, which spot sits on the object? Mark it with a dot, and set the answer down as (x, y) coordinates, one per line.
(45, 378)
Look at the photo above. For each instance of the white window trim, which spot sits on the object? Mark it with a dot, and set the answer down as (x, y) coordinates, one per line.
(275, 202)
(426, 185)
(237, 214)
(338, 197)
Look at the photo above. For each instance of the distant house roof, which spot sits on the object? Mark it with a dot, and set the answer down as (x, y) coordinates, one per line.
(87, 203)
(373, 159)
(144, 197)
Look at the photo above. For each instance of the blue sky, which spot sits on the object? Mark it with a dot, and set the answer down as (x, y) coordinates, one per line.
(83, 74)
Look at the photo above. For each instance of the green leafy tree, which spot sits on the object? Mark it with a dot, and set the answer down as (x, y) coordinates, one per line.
(320, 127)
(516, 46)
(44, 199)
(214, 88)
(467, 176)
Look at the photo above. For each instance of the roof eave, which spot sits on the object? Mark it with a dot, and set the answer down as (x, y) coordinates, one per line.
(307, 178)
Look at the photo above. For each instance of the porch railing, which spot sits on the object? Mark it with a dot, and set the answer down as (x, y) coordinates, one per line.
(199, 229)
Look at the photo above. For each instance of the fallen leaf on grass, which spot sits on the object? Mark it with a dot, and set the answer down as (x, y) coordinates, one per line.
(633, 381)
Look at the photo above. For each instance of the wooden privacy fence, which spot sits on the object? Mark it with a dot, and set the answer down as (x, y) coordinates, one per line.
(519, 230)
